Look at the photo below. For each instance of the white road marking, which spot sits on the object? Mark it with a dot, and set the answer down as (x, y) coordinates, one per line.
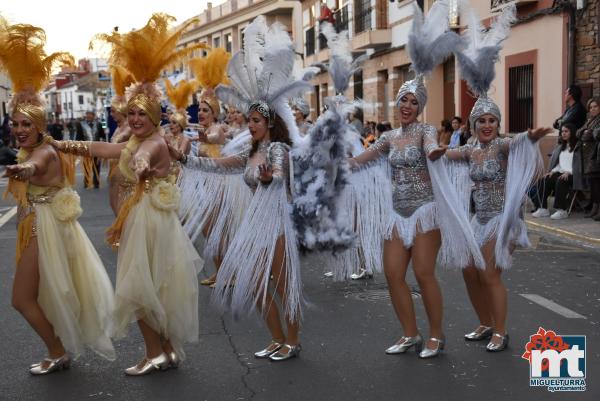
(553, 306)
(7, 216)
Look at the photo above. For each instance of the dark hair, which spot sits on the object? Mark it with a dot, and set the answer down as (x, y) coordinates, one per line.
(278, 132)
(572, 137)
(457, 118)
(575, 92)
(381, 127)
(446, 125)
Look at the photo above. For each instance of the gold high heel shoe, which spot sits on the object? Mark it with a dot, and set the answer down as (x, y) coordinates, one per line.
(293, 351)
(404, 344)
(209, 281)
(430, 352)
(267, 352)
(480, 333)
(54, 365)
(150, 365)
(492, 347)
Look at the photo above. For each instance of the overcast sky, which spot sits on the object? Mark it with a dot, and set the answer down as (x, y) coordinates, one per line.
(70, 25)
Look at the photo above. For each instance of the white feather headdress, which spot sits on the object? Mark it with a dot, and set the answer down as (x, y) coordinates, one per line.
(477, 61)
(429, 43)
(261, 74)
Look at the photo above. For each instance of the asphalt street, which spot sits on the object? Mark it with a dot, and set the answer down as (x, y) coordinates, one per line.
(344, 335)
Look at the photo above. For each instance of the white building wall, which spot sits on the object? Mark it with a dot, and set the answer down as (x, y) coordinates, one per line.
(5, 86)
(400, 19)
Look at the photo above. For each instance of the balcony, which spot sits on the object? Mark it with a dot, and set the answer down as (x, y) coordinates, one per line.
(498, 5)
(371, 28)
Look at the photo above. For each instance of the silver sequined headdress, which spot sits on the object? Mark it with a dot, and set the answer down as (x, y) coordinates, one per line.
(429, 43)
(477, 61)
(261, 72)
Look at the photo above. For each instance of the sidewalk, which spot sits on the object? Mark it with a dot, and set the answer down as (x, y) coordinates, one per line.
(576, 227)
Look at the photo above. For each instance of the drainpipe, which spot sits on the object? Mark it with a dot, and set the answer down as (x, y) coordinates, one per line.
(571, 62)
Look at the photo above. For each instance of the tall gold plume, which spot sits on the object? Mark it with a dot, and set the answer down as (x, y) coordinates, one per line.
(121, 79)
(210, 71)
(146, 52)
(179, 95)
(23, 57)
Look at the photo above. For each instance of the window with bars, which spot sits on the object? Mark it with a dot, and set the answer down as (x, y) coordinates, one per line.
(309, 41)
(358, 85)
(362, 15)
(228, 43)
(520, 98)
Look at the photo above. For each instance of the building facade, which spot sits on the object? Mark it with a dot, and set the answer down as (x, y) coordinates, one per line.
(223, 25)
(587, 73)
(531, 75)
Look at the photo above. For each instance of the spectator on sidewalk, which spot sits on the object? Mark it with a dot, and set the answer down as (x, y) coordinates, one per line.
(575, 112)
(559, 179)
(589, 140)
(91, 129)
(355, 122)
(444, 133)
(457, 133)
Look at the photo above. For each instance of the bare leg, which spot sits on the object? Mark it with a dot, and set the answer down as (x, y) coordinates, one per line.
(273, 321)
(395, 264)
(424, 255)
(152, 339)
(495, 289)
(477, 296)
(280, 279)
(24, 299)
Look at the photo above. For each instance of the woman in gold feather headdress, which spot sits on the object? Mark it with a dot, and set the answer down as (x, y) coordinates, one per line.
(60, 287)
(118, 188)
(210, 71)
(178, 121)
(157, 264)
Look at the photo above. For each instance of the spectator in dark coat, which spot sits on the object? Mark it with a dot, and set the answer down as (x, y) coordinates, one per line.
(91, 129)
(589, 138)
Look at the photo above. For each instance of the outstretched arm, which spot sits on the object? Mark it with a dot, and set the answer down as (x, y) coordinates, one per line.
(379, 149)
(103, 150)
(207, 164)
(36, 165)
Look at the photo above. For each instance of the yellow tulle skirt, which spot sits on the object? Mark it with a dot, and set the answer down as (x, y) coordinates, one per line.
(75, 292)
(157, 275)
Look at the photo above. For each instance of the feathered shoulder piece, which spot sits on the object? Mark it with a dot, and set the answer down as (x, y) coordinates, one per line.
(429, 41)
(261, 73)
(342, 65)
(477, 61)
(23, 58)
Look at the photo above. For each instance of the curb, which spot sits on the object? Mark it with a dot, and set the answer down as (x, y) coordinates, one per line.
(563, 233)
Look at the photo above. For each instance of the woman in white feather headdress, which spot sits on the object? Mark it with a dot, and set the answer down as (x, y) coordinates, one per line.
(265, 243)
(418, 189)
(501, 169)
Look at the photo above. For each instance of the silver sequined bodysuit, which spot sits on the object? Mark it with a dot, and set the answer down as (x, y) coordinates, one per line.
(407, 150)
(273, 154)
(487, 168)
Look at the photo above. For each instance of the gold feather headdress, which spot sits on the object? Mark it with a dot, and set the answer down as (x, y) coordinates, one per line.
(179, 96)
(210, 71)
(23, 57)
(121, 79)
(145, 53)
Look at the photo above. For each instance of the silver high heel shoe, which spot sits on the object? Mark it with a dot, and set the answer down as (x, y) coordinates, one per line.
(150, 365)
(174, 359)
(480, 333)
(293, 351)
(492, 347)
(404, 344)
(54, 365)
(362, 274)
(429, 352)
(267, 352)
